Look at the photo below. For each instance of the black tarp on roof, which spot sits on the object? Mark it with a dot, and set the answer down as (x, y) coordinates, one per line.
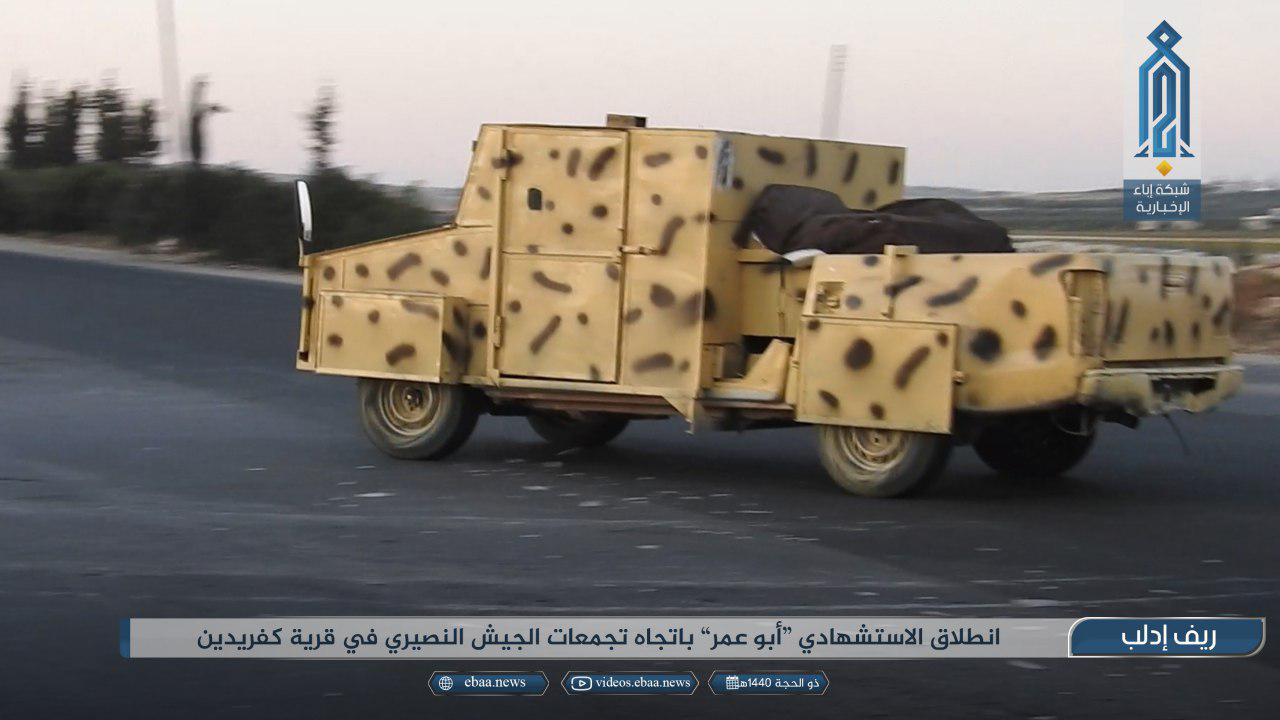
(787, 218)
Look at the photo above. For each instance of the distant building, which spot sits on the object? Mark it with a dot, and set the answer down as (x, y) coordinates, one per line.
(1153, 225)
(1261, 222)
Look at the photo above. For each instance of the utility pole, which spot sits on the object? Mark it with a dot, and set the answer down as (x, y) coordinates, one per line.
(172, 104)
(834, 95)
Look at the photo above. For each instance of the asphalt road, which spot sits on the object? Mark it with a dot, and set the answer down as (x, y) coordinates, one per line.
(159, 456)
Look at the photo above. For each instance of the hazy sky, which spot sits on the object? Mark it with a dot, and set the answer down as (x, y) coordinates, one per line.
(991, 94)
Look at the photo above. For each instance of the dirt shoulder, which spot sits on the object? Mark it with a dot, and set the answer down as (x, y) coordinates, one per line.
(159, 256)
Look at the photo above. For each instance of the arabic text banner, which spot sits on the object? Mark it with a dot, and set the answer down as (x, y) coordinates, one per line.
(704, 638)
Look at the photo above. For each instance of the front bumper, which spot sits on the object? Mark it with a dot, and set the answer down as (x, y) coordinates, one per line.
(1157, 390)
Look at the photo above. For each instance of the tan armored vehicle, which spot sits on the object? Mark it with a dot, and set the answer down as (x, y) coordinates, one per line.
(598, 275)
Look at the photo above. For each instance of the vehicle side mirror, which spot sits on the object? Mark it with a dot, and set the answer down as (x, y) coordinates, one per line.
(302, 206)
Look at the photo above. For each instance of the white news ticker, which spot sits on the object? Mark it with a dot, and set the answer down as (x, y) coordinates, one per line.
(514, 638)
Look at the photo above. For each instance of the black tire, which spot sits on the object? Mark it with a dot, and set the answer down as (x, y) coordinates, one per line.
(1031, 446)
(881, 463)
(587, 429)
(417, 421)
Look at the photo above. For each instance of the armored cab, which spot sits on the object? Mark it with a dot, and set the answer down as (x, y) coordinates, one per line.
(601, 274)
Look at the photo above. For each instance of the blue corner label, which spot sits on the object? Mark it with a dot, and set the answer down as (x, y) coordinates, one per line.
(745, 683)
(1171, 637)
(124, 638)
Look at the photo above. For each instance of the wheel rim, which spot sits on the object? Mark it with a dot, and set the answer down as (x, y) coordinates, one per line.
(408, 409)
(872, 449)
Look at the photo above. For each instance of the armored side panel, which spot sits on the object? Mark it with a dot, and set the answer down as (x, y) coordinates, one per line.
(414, 336)
(1163, 306)
(876, 373)
(448, 262)
(560, 319)
(864, 176)
(760, 285)
(1022, 338)
(478, 206)
(666, 295)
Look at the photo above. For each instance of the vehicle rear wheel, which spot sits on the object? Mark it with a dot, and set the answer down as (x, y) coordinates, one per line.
(873, 462)
(577, 429)
(1032, 445)
(417, 421)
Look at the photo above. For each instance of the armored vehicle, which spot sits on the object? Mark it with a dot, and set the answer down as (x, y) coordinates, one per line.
(598, 275)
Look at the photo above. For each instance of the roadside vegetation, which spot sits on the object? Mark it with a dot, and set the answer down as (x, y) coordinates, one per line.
(83, 162)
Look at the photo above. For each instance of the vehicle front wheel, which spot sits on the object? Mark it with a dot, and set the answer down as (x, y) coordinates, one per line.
(1032, 445)
(417, 421)
(577, 429)
(873, 462)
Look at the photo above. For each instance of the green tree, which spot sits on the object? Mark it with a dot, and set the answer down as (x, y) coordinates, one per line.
(21, 134)
(196, 117)
(61, 139)
(320, 128)
(112, 142)
(142, 142)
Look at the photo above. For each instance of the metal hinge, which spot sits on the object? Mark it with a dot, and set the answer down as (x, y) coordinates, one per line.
(496, 333)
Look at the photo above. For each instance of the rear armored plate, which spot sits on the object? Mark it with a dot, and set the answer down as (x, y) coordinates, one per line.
(1167, 307)
(879, 374)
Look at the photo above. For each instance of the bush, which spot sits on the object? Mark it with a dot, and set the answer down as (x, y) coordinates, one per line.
(9, 218)
(348, 211)
(235, 213)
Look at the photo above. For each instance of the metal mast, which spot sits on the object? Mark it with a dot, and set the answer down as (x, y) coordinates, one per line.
(834, 95)
(172, 109)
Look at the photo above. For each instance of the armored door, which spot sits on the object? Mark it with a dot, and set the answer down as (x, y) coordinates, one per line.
(561, 231)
